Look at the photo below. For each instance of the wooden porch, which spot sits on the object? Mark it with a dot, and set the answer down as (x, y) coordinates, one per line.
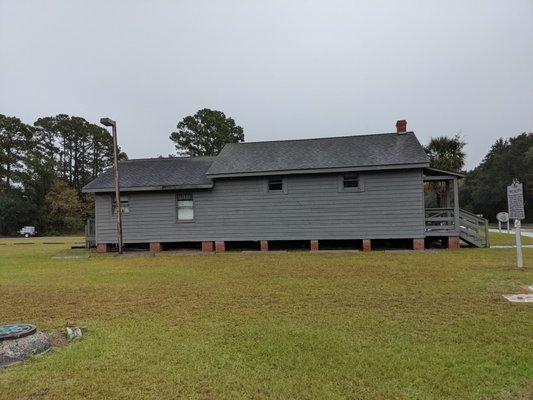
(451, 220)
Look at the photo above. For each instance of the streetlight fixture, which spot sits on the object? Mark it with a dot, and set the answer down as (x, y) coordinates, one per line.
(113, 124)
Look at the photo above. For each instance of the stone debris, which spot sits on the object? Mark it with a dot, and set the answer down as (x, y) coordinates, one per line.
(527, 288)
(519, 298)
(74, 333)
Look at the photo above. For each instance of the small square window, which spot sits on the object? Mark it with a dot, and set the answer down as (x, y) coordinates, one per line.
(350, 181)
(184, 207)
(124, 205)
(275, 185)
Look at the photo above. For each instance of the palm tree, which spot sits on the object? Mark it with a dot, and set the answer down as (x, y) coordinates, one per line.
(447, 154)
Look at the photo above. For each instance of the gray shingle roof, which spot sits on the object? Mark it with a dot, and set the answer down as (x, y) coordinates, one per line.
(364, 151)
(386, 150)
(156, 173)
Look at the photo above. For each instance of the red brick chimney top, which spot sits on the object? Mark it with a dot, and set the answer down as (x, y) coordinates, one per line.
(401, 126)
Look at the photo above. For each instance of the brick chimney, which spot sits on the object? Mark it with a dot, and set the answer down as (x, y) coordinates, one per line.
(401, 126)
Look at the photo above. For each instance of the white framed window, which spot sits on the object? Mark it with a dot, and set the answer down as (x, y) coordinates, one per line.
(184, 207)
(124, 204)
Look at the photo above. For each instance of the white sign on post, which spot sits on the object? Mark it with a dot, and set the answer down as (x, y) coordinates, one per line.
(515, 202)
(502, 217)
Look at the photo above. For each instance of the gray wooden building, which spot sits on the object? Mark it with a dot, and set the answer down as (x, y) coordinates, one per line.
(362, 189)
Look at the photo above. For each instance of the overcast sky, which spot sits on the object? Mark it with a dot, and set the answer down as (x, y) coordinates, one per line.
(281, 69)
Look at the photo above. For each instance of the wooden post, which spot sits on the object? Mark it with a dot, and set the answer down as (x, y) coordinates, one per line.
(449, 195)
(456, 206)
(487, 240)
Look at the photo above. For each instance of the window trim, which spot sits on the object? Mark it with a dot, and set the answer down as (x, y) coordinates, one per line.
(184, 221)
(360, 183)
(113, 198)
(274, 192)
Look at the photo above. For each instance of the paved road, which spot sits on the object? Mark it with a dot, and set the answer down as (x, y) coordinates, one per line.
(524, 233)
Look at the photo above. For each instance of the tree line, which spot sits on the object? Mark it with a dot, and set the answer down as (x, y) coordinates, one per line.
(483, 191)
(43, 168)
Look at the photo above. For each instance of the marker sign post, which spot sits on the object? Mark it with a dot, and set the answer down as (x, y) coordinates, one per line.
(515, 202)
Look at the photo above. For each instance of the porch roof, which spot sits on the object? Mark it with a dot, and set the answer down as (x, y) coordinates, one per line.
(435, 174)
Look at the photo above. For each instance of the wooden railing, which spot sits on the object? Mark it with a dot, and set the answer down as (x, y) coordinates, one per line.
(440, 221)
(474, 229)
(470, 227)
(90, 233)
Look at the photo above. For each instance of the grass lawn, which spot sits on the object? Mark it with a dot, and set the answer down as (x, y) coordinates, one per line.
(380, 325)
(501, 239)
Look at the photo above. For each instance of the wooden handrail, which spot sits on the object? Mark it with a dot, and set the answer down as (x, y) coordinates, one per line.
(449, 222)
(474, 227)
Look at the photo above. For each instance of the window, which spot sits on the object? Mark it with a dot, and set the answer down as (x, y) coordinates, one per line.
(275, 185)
(124, 204)
(350, 181)
(185, 207)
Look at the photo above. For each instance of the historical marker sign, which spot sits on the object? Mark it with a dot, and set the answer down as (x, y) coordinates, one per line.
(515, 200)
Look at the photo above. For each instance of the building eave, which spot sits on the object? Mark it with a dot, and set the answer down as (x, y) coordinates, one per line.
(147, 188)
(319, 170)
(428, 171)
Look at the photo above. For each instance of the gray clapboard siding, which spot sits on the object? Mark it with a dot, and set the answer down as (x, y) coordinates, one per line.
(391, 206)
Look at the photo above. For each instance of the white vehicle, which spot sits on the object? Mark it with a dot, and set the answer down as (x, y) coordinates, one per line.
(28, 231)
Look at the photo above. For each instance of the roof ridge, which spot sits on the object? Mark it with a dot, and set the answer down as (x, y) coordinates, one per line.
(322, 138)
(167, 158)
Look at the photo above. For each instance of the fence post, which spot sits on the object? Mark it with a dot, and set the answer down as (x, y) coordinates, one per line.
(487, 240)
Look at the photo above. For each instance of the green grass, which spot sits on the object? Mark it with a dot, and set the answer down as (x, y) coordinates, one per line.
(381, 325)
(502, 239)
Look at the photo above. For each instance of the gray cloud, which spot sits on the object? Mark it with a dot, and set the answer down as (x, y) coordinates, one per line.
(282, 69)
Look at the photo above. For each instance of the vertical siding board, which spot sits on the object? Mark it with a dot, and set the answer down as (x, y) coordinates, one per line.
(391, 206)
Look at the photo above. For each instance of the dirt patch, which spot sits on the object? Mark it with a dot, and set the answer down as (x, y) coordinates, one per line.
(59, 339)
(39, 394)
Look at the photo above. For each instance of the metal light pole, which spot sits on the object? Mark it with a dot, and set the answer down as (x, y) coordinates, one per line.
(113, 125)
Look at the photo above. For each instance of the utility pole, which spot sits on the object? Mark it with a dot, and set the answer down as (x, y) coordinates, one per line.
(113, 125)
